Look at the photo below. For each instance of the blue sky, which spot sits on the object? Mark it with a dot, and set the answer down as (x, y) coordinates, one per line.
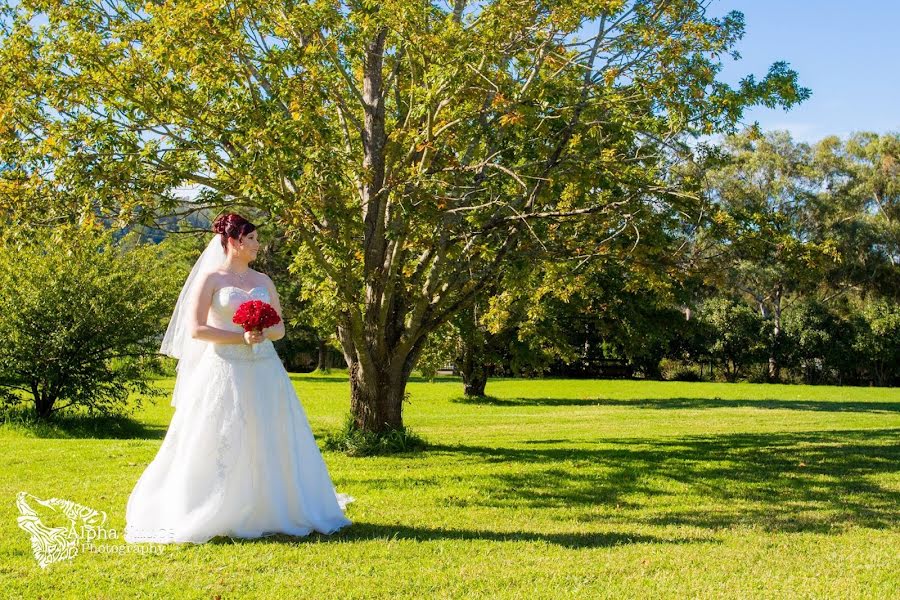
(846, 52)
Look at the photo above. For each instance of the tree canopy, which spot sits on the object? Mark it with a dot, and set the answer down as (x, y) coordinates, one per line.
(410, 149)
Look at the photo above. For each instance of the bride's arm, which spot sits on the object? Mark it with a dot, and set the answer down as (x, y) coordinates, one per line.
(201, 302)
(276, 332)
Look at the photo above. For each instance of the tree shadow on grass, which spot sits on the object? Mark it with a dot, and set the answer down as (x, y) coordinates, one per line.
(692, 403)
(364, 532)
(817, 481)
(306, 378)
(81, 426)
(454, 379)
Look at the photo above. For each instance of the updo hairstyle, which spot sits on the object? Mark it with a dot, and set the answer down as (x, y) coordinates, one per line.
(232, 225)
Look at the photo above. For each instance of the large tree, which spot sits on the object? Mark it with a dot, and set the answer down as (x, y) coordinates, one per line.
(862, 187)
(767, 233)
(410, 149)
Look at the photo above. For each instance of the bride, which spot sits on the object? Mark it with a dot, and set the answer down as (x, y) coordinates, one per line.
(239, 458)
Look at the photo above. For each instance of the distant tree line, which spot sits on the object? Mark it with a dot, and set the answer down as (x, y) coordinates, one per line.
(789, 273)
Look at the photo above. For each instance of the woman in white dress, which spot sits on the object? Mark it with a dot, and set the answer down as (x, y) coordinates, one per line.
(239, 458)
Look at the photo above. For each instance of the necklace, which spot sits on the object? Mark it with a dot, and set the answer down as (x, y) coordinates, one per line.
(240, 276)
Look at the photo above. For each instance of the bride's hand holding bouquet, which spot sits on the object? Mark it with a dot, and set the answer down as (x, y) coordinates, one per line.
(254, 316)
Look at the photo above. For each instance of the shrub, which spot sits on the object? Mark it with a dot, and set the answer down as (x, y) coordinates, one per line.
(354, 442)
(738, 335)
(816, 340)
(686, 374)
(878, 341)
(82, 320)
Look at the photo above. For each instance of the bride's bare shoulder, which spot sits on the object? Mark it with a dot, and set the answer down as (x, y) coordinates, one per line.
(213, 279)
(214, 276)
(260, 277)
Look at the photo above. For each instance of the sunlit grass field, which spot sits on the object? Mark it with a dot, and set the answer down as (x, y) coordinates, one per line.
(546, 489)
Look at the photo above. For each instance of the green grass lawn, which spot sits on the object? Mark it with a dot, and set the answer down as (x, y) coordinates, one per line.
(548, 488)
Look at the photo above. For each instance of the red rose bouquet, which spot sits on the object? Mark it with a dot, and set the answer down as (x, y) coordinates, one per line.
(255, 315)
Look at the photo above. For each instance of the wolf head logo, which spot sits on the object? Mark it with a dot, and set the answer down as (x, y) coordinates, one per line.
(50, 541)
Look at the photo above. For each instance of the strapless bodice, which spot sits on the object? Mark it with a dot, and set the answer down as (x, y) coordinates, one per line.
(225, 302)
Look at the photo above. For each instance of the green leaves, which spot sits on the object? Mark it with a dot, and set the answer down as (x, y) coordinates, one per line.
(410, 149)
(83, 319)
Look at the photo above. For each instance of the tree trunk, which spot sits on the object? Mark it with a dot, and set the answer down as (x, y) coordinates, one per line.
(475, 382)
(43, 402)
(383, 329)
(775, 349)
(378, 361)
(379, 371)
(731, 371)
(473, 353)
(376, 404)
(472, 370)
(324, 357)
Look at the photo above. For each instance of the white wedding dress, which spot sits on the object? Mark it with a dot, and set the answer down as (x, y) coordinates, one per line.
(239, 458)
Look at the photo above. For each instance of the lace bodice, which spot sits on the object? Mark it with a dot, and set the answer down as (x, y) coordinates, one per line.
(225, 302)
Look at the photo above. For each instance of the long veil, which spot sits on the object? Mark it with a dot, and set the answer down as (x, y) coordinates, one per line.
(178, 342)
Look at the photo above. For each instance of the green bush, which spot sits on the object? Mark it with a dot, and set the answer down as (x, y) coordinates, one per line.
(83, 317)
(680, 370)
(686, 374)
(816, 341)
(354, 442)
(877, 341)
(737, 336)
